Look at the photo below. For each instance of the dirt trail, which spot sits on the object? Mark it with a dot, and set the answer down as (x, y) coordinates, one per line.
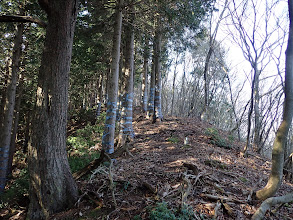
(204, 174)
(200, 174)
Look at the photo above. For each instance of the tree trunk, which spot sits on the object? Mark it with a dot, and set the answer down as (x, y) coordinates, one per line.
(109, 130)
(182, 91)
(158, 116)
(15, 126)
(126, 129)
(4, 91)
(100, 95)
(52, 187)
(173, 85)
(276, 174)
(205, 113)
(257, 123)
(145, 76)
(5, 136)
(247, 145)
(269, 203)
(152, 91)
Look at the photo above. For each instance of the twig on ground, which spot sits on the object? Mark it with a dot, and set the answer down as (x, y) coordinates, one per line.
(216, 210)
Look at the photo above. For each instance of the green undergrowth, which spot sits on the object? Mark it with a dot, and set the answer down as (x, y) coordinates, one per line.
(162, 212)
(16, 189)
(80, 142)
(78, 146)
(173, 140)
(77, 162)
(218, 139)
(84, 138)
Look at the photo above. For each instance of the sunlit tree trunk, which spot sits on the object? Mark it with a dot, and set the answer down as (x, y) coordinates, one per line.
(150, 112)
(182, 91)
(173, 84)
(158, 116)
(9, 104)
(100, 95)
(145, 76)
(112, 84)
(276, 175)
(126, 129)
(15, 125)
(52, 187)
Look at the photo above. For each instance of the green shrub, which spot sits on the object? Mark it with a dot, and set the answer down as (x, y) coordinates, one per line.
(18, 188)
(217, 139)
(84, 138)
(161, 212)
(173, 140)
(186, 213)
(137, 217)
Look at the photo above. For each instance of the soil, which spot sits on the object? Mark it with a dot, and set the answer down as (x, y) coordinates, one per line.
(179, 163)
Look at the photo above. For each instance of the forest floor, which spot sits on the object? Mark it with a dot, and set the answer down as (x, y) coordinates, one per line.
(164, 177)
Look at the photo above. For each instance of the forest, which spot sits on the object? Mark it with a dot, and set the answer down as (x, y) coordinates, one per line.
(146, 109)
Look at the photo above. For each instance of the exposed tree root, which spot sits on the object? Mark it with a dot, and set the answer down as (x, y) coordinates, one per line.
(112, 186)
(122, 148)
(186, 192)
(269, 203)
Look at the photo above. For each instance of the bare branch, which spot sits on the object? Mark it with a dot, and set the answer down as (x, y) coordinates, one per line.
(20, 18)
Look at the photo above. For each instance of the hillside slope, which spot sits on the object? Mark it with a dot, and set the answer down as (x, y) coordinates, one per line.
(204, 177)
(181, 169)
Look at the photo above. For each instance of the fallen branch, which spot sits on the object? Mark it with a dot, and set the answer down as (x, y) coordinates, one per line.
(269, 203)
(216, 210)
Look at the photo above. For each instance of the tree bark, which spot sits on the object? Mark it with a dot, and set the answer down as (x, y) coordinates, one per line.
(173, 84)
(158, 116)
(145, 76)
(100, 95)
(109, 130)
(150, 112)
(276, 174)
(52, 187)
(257, 123)
(15, 126)
(269, 203)
(9, 104)
(182, 91)
(247, 145)
(126, 129)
